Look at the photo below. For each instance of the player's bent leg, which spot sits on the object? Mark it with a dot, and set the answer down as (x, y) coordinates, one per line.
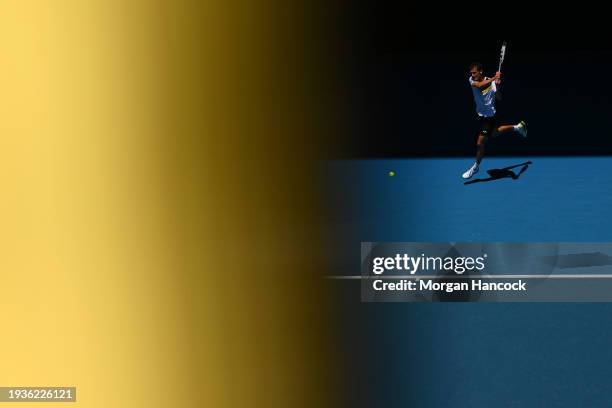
(505, 128)
(482, 139)
(520, 128)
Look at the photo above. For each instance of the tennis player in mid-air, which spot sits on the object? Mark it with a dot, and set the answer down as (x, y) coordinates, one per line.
(484, 90)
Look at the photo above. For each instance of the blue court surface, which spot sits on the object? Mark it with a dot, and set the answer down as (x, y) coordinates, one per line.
(469, 354)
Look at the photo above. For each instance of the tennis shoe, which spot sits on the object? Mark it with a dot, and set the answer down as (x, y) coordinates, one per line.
(471, 171)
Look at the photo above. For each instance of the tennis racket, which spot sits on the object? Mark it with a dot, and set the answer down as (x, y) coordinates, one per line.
(502, 55)
(501, 61)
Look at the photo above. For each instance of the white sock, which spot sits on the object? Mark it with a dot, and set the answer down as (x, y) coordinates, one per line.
(517, 127)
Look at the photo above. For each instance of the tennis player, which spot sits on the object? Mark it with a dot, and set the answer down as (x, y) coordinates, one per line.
(484, 90)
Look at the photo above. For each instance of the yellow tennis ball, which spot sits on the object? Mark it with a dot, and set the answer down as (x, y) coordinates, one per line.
(391, 173)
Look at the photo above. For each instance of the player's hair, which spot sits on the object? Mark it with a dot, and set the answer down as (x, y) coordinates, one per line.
(476, 65)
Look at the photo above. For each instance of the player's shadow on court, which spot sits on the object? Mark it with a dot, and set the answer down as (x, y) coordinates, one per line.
(506, 172)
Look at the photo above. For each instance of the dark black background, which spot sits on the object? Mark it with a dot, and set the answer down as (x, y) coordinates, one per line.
(407, 90)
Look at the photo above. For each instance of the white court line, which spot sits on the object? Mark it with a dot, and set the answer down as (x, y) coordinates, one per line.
(557, 276)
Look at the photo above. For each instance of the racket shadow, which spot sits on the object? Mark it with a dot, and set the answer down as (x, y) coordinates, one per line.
(506, 172)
